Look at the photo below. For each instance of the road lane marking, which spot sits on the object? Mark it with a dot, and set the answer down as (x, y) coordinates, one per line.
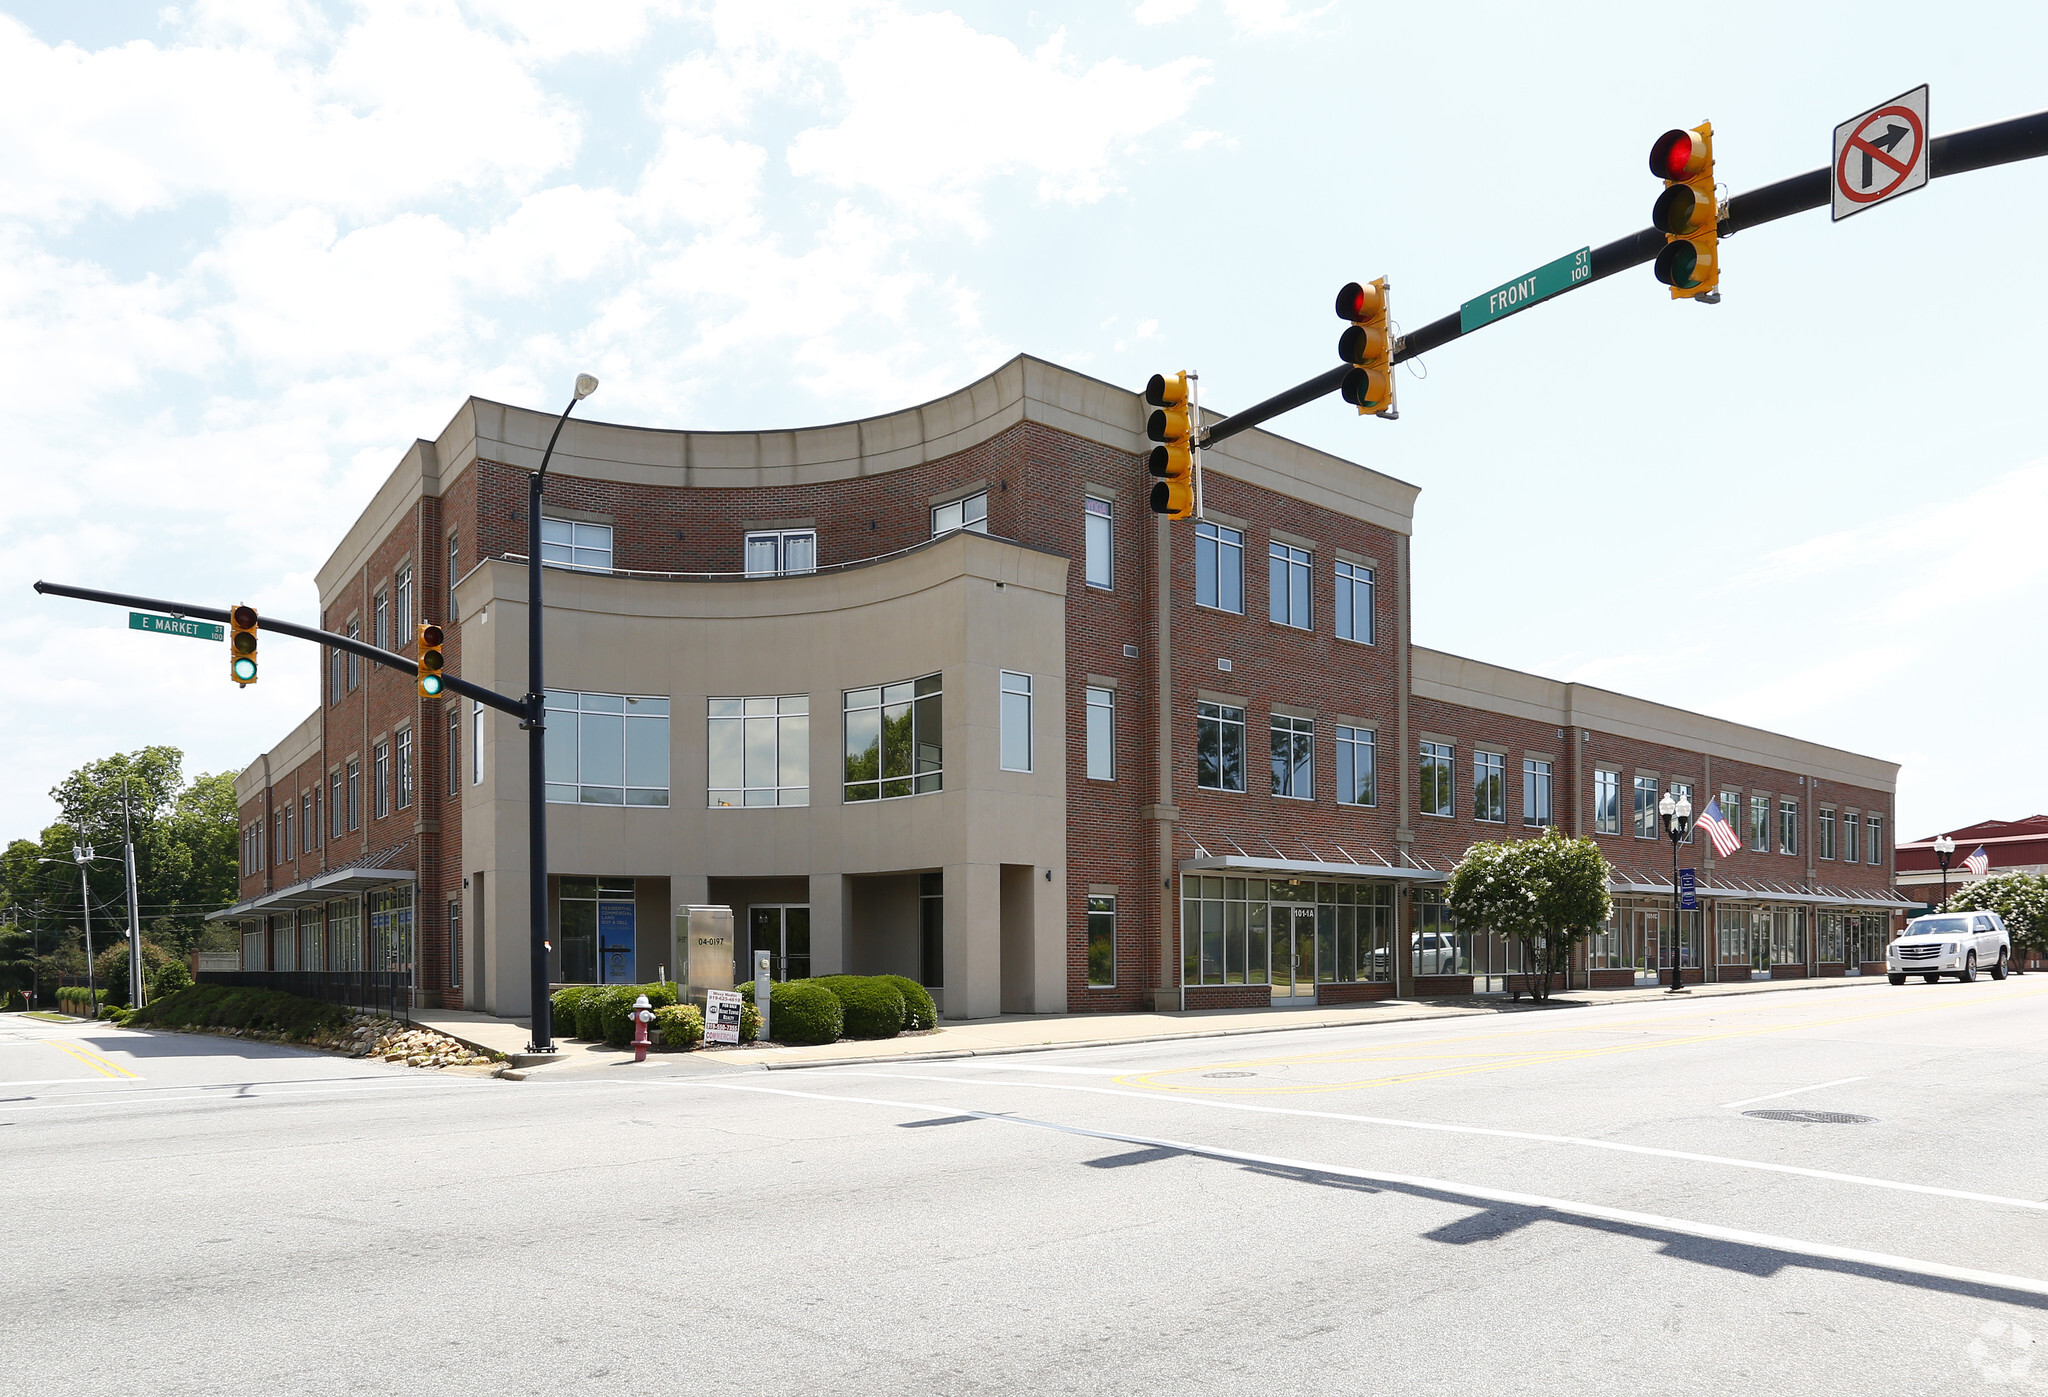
(158, 1097)
(1568, 1207)
(92, 1059)
(1751, 1101)
(1440, 1127)
(1048, 1067)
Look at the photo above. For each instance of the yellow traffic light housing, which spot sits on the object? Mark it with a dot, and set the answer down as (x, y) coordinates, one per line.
(1688, 214)
(431, 660)
(1368, 347)
(242, 645)
(1171, 424)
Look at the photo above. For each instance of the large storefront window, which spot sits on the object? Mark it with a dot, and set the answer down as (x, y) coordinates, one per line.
(1277, 931)
(597, 931)
(344, 934)
(391, 940)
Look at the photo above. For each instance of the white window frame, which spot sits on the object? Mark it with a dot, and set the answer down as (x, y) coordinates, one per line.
(1101, 906)
(968, 514)
(1014, 750)
(380, 777)
(926, 693)
(1489, 766)
(1213, 540)
(1873, 830)
(1295, 569)
(1824, 832)
(773, 719)
(574, 543)
(1219, 717)
(1607, 786)
(1788, 826)
(1353, 746)
(777, 542)
(567, 708)
(1100, 726)
(1539, 811)
(1098, 543)
(476, 742)
(1444, 754)
(1355, 581)
(403, 743)
(1643, 815)
(401, 608)
(1293, 778)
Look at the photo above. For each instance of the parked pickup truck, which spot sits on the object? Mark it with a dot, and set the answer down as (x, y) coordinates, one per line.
(1954, 943)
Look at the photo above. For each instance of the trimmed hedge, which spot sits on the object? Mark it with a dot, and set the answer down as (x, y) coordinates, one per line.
(564, 1005)
(803, 1011)
(681, 1026)
(617, 1010)
(870, 1006)
(918, 1011)
(235, 1006)
(77, 999)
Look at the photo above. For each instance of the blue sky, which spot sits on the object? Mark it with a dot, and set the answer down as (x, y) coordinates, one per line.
(249, 251)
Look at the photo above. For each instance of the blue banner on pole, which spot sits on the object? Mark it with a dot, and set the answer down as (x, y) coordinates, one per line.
(1688, 891)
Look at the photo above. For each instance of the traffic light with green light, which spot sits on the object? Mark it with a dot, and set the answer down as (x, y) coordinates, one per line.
(242, 645)
(431, 660)
(1172, 463)
(1687, 213)
(1368, 347)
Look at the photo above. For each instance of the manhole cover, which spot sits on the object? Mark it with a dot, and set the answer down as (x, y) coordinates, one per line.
(1227, 1074)
(1812, 1117)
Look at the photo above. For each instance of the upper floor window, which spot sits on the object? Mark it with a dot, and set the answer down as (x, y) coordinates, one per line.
(334, 804)
(1538, 808)
(1788, 826)
(895, 739)
(355, 794)
(1219, 747)
(1875, 824)
(607, 749)
(355, 663)
(1606, 802)
(1760, 823)
(782, 552)
(1287, 572)
(404, 768)
(476, 743)
(452, 758)
(454, 572)
(1096, 518)
(760, 751)
(335, 657)
(380, 779)
(1357, 780)
(380, 628)
(288, 848)
(575, 544)
(1219, 567)
(401, 609)
(1490, 787)
(1294, 757)
(1101, 734)
(1354, 602)
(1852, 836)
(970, 514)
(1824, 833)
(1434, 784)
(1015, 722)
(309, 821)
(1646, 808)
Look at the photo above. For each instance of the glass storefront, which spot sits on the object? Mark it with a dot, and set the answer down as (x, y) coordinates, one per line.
(1290, 933)
(391, 939)
(596, 931)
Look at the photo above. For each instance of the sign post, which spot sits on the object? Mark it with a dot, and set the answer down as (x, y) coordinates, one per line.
(1880, 154)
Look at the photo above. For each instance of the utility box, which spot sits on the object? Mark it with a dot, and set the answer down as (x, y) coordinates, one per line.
(704, 950)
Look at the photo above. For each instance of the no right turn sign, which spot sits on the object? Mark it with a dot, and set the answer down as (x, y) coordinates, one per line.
(1880, 154)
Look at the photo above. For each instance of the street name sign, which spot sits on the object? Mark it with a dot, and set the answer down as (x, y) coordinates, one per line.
(1688, 891)
(174, 625)
(1526, 290)
(1880, 154)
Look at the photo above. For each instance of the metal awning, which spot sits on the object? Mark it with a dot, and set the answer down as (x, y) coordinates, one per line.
(343, 882)
(1253, 866)
(1828, 897)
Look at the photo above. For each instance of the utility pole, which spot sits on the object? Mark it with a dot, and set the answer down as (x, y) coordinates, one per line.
(134, 906)
(83, 854)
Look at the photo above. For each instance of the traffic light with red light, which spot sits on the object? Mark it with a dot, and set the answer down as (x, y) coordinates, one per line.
(431, 660)
(1368, 347)
(1687, 213)
(242, 645)
(1171, 425)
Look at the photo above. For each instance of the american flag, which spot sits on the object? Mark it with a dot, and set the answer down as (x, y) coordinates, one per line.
(1726, 840)
(1978, 863)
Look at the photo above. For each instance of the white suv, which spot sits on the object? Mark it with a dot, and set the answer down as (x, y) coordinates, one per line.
(1956, 943)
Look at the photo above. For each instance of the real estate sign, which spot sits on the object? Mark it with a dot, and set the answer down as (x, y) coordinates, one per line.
(721, 1016)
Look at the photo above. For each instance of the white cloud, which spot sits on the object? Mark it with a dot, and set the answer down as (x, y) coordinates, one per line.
(1163, 11)
(1271, 16)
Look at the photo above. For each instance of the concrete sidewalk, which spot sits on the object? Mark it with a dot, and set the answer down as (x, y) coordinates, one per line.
(1026, 1033)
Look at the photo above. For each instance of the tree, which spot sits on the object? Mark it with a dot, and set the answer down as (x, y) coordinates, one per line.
(2020, 899)
(1548, 893)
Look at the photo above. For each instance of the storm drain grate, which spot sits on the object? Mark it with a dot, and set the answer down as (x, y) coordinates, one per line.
(1227, 1074)
(1812, 1117)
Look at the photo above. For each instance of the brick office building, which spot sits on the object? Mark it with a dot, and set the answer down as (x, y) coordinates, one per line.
(933, 693)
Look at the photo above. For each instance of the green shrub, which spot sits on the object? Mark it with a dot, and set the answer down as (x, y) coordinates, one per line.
(872, 1007)
(616, 1008)
(78, 1000)
(681, 1025)
(802, 1011)
(169, 978)
(235, 1006)
(590, 1014)
(111, 968)
(564, 1005)
(918, 1010)
(750, 1021)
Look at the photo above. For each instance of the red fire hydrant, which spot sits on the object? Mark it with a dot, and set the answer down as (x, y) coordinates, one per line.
(642, 1016)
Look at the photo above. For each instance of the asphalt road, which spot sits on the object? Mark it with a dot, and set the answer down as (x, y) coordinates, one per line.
(1571, 1200)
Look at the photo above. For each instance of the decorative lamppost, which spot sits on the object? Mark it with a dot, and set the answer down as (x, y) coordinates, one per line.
(1944, 850)
(1676, 812)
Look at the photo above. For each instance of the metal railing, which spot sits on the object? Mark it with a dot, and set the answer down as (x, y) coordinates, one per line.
(386, 992)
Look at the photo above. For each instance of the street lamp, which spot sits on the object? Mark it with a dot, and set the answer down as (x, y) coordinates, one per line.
(1676, 811)
(535, 724)
(82, 854)
(1944, 849)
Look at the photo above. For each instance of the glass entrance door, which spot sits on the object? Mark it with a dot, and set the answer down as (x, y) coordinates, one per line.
(1294, 955)
(1759, 945)
(1646, 953)
(784, 932)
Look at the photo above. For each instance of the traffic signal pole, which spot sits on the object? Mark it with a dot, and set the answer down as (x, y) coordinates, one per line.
(1977, 148)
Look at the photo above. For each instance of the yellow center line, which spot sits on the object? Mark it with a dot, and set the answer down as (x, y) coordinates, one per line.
(92, 1059)
(1532, 1058)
